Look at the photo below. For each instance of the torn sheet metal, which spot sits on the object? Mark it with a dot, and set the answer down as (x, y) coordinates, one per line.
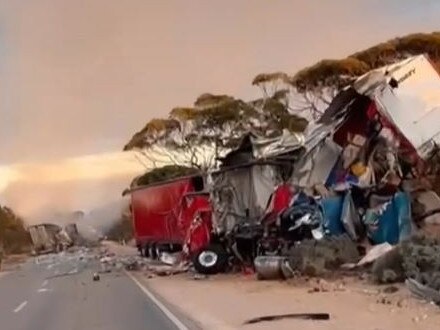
(315, 133)
(287, 142)
(368, 83)
(414, 105)
(350, 218)
(423, 291)
(375, 253)
(316, 165)
(241, 194)
(338, 105)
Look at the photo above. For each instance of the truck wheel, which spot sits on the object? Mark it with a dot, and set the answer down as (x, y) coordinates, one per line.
(211, 260)
(152, 253)
(146, 251)
(159, 250)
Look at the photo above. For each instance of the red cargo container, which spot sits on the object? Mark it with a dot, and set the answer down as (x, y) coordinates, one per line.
(162, 214)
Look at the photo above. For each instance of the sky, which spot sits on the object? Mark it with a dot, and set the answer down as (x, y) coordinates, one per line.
(80, 77)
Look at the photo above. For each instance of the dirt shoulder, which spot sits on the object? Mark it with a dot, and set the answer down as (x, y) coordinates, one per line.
(226, 301)
(12, 262)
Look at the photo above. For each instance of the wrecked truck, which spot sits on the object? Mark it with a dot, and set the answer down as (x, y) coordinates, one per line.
(223, 216)
(247, 196)
(162, 213)
(45, 238)
(210, 224)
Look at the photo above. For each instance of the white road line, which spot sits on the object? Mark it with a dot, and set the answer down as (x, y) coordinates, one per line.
(20, 307)
(161, 306)
(44, 283)
(43, 290)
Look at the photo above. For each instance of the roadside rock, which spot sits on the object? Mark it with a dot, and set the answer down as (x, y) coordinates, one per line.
(417, 258)
(316, 258)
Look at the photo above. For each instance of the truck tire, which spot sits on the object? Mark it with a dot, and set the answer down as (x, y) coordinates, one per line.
(159, 250)
(211, 260)
(152, 253)
(146, 251)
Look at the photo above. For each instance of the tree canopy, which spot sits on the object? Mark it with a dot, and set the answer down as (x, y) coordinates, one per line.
(213, 124)
(218, 121)
(338, 73)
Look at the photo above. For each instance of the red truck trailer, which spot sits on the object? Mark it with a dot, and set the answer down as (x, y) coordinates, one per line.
(181, 214)
(163, 212)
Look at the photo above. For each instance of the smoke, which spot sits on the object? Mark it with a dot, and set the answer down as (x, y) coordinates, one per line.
(57, 201)
(56, 192)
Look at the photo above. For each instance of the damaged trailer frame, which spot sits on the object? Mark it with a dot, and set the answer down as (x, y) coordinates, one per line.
(213, 224)
(402, 99)
(47, 238)
(162, 214)
(386, 124)
(246, 194)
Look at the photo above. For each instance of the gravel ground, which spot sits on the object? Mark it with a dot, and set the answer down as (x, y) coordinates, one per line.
(226, 301)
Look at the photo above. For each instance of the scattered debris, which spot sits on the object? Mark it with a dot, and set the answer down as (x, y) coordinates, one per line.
(69, 273)
(375, 253)
(423, 291)
(300, 316)
(417, 258)
(167, 270)
(170, 258)
(199, 277)
(402, 303)
(390, 289)
(96, 277)
(384, 301)
(269, 267)
(320, 286)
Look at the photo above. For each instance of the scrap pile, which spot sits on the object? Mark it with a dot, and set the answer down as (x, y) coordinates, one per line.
(386, 129)
(416, 260)
(365, 170)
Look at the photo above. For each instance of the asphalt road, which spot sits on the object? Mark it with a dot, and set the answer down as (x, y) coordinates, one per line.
(57, 293)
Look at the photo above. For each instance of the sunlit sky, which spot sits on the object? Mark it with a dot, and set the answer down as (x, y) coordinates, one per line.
(39, 190)
(80, 77)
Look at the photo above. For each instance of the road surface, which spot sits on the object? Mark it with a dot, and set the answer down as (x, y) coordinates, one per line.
(57, 293)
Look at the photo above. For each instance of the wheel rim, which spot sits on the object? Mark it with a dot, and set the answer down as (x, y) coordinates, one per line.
(208, 258)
